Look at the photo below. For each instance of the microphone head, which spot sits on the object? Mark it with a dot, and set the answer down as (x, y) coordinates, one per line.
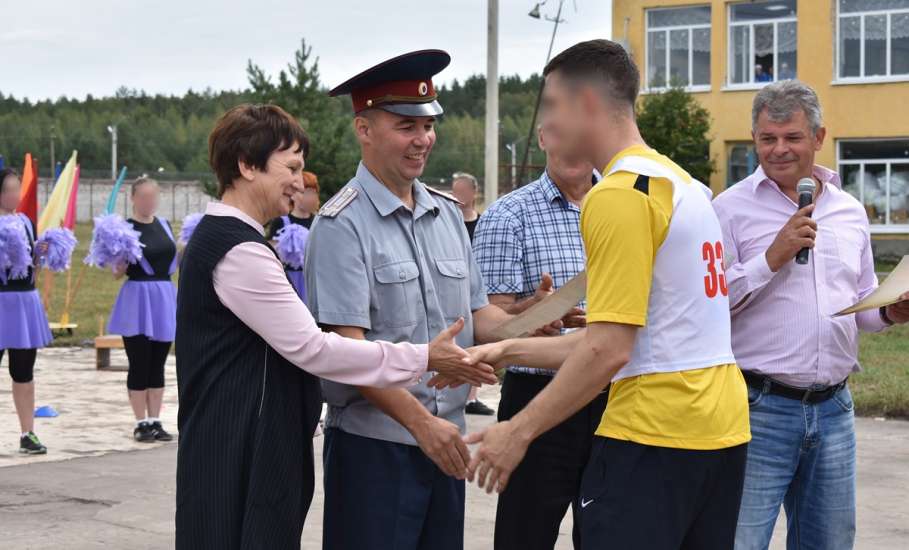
(806, 185)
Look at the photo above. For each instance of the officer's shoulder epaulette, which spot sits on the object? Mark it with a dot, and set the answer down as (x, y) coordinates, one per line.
(339, 202)
(444, 195)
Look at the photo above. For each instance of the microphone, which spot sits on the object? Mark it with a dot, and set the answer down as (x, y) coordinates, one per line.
(805, 188)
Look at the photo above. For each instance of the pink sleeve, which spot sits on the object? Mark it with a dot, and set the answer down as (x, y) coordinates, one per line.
(250, 282)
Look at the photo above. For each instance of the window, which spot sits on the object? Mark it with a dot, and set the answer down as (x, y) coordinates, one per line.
(678, 47)
(742, 162)
(762, 41)
(877, 174)
(873, 39)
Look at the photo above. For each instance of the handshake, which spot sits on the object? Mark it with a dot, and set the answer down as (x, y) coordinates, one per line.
(455, 366)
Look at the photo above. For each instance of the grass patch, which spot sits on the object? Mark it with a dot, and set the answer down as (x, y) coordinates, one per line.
(91, 302)
(881, 389)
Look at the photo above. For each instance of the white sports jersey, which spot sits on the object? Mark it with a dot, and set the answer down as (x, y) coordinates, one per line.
(688, 324)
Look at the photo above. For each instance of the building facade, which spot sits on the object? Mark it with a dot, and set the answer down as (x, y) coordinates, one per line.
(854, 53)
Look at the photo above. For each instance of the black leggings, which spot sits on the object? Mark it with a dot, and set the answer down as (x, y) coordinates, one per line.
(21, 364)
(146, 362)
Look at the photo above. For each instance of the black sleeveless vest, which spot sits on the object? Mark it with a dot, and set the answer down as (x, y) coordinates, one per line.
(246, 418)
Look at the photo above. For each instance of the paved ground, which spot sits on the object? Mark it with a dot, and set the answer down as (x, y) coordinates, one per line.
(99, 489)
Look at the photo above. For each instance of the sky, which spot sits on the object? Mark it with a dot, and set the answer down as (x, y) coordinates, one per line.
(54, 48)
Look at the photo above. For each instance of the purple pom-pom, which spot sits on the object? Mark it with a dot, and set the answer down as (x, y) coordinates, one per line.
(60, 245)
(292, 244)
(114, 242)
(189, 225)
(15, 254)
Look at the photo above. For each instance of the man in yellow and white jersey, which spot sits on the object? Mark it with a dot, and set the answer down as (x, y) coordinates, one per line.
(667, 468)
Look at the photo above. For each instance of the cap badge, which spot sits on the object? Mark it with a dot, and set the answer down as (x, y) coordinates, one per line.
(423, 88)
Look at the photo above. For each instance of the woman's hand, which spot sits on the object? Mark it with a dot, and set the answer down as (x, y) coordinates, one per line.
(454, 365)
(119, 270)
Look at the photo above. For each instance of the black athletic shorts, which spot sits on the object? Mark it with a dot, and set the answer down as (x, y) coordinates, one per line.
(660, 498)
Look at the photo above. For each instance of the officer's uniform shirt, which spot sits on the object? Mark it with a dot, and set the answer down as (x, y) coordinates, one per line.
(401, 275)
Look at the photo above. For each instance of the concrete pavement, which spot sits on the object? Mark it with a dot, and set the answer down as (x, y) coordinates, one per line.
(99, 489)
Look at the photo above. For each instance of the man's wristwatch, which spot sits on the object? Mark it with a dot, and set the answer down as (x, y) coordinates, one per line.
(884, 316)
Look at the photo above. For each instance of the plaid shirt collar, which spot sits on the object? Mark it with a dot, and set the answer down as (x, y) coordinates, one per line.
(552, 192)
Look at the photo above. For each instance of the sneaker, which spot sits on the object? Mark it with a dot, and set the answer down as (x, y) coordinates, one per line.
(144, 433)
(479, 408)
(160, 433)
(29, 444)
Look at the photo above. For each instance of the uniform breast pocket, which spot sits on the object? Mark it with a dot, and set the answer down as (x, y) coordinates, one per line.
(398, 298)
(453, 288)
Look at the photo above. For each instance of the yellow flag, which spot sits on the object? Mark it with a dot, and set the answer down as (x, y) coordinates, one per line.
(58, 201)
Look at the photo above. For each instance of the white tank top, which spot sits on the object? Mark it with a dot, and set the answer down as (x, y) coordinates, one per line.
(688, 322)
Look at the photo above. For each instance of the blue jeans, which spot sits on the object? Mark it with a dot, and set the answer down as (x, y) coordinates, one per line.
(803, 457)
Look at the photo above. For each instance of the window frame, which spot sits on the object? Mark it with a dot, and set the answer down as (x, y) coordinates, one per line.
(730, 57)
(751, 157)
(692, 88)
(876, 228)
(862, 79)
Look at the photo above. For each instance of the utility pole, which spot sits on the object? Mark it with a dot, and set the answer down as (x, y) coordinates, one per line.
(533, 121)
(513, 149)
(53, 166)
(491, 176)
(113, 151)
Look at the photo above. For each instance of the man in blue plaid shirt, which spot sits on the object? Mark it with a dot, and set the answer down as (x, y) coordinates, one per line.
(522, 239)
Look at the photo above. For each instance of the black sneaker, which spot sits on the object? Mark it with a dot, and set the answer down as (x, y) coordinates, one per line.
(160, 433)
(479, 408)
(30, 445)
(144, 433)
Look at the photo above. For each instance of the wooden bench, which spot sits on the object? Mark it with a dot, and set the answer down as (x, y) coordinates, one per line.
(103, 345)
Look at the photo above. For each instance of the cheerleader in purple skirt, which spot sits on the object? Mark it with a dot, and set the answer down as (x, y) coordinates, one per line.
(145, 311)
(23, 324)
(305, 205)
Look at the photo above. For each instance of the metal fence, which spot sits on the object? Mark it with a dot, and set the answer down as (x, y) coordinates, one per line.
(178, 198)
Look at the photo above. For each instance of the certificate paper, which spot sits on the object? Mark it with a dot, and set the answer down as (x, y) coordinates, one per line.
(895, 285)
(551, 308)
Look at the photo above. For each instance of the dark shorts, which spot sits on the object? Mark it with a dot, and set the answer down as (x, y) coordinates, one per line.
(381, 495)
(660, 498)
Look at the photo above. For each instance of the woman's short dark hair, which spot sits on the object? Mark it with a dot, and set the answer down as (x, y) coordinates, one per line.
(5, 173)
(603, 62)
(251, 133)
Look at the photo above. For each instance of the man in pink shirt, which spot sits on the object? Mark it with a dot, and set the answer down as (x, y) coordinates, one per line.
(795, 355)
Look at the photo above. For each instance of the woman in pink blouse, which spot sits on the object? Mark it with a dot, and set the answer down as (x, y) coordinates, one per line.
(249, 352)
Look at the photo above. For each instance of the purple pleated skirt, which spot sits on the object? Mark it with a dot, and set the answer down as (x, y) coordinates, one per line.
(148, 308)
(298, 280)
(23, 323)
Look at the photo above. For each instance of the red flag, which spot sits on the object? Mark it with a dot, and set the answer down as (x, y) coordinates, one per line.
(69, 221)
(28, 195)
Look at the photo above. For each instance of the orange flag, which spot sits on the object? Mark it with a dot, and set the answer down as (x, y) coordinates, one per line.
(28, 195)
(69, 221)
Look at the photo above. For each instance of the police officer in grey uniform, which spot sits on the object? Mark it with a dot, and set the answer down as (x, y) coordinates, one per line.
(389, 258)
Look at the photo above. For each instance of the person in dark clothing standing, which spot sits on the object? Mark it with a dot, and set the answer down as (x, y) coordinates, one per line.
(464, 188)
(145, 311)
(23, 323)
(249, 352)
(305, 206)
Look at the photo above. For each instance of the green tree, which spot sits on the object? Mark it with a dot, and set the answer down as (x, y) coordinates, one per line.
(676, 125)
(333, 151)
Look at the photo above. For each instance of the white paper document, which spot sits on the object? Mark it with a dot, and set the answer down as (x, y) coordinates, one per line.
(551, 308)
(895, 285)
